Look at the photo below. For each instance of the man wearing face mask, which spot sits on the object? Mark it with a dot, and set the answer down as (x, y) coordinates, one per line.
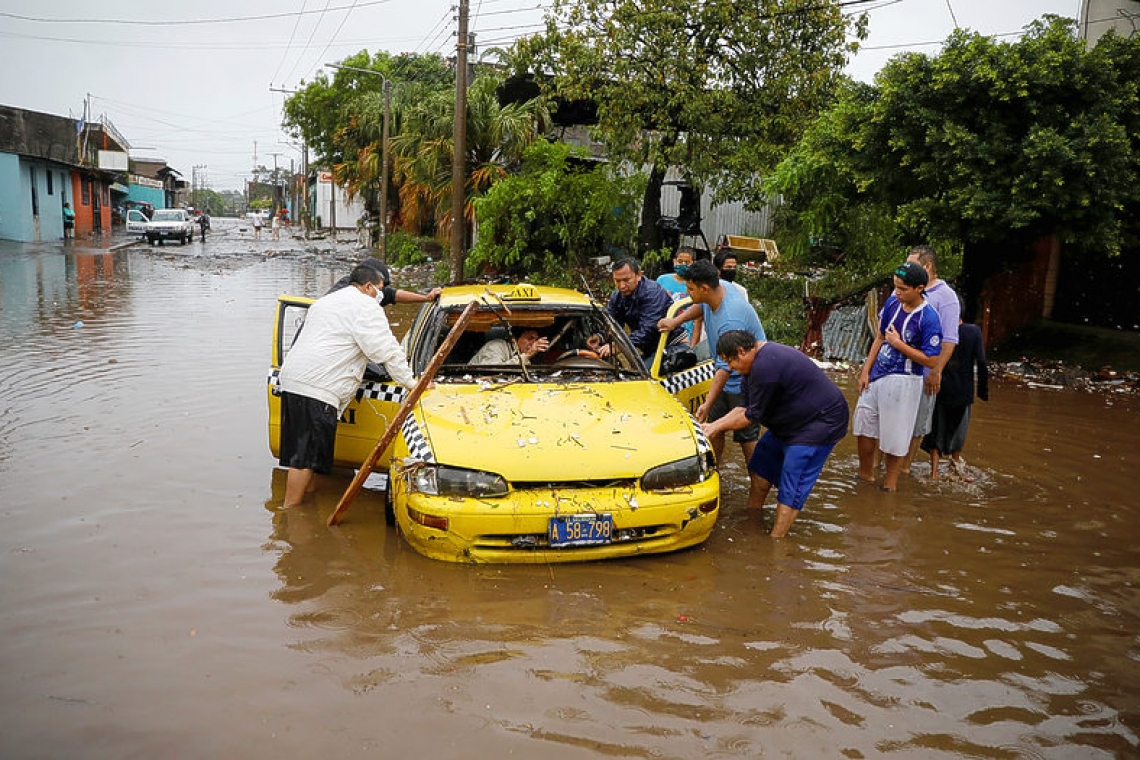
(674, 283)
(725, 262)
(319, 377)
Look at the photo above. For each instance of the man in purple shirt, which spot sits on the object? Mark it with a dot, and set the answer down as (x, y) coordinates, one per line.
(804, 412)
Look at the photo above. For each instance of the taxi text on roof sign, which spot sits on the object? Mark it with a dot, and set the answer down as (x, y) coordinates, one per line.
(522, 292)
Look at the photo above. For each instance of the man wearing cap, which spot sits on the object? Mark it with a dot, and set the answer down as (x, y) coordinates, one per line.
(891, 382)
(942, 298)
(388, 294)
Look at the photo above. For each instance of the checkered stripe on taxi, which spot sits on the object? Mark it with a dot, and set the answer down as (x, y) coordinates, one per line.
(703, 445)
(381, 391)
(367, 389)
(418, 448)
(691, 376)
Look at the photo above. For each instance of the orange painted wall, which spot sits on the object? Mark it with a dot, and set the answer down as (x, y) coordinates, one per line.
(85, 213)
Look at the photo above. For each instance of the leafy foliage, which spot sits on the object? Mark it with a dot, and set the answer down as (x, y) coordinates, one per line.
(321, 109)
(557, 211)
(719, 88)
(988, 141)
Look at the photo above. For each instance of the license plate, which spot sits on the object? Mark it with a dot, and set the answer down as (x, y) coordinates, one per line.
(581, 530)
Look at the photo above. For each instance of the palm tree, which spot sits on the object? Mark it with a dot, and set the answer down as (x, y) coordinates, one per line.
(497, 135)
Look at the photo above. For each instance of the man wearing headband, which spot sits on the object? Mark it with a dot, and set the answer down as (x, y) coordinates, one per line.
(890, 384)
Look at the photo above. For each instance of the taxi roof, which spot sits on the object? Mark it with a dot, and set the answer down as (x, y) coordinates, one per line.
(521, 294)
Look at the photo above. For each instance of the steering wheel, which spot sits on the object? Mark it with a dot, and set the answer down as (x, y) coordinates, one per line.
(577, 352)
(577, 358)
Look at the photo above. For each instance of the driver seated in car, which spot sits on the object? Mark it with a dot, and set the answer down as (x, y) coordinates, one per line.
(501, 351)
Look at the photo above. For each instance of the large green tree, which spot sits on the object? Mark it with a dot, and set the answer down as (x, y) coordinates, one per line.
(988, 144)
(719, 88)
(359, 139)
(321, 109)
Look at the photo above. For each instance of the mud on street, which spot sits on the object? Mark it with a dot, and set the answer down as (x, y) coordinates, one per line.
(158, 602)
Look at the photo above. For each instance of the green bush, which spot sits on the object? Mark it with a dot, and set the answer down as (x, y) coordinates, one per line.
(780, 303)
(404, 250)
(561, 209)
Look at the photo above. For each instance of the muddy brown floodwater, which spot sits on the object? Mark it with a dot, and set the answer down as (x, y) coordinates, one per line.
(157, 602)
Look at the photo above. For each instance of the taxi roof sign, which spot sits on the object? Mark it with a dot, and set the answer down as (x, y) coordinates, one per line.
(522, 292)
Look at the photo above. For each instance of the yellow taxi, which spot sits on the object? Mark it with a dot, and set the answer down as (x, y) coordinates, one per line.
(565, 456)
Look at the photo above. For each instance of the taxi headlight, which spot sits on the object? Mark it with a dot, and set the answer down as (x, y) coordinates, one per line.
(440, 480)
(683, 472)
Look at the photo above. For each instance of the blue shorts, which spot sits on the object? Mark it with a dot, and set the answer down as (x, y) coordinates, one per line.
(792, 469)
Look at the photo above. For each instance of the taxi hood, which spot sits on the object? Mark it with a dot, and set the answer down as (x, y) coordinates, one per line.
(556, 432)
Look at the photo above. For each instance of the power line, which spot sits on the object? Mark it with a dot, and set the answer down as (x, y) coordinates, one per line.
(348, 13)
(309, 41)
(187, 22)
(168, 45)
(442, 23)
(289, 44)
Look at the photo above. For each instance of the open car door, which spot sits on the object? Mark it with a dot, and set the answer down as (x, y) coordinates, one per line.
(367, 416)
(685, 371)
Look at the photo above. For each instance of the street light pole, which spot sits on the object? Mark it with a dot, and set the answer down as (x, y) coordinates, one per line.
(383, 154)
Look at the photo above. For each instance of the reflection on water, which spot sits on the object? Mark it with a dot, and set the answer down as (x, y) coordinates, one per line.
(146, 562)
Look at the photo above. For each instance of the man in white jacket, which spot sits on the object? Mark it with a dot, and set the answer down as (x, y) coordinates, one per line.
(319, 377)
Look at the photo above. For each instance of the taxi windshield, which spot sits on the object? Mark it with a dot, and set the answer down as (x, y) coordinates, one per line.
(536, 344)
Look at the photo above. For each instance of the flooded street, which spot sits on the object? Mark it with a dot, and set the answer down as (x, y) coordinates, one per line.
(158, 602)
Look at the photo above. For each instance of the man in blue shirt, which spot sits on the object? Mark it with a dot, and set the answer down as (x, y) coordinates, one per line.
(638, 304)
(722, 309)
(890, 384)
(804, 411)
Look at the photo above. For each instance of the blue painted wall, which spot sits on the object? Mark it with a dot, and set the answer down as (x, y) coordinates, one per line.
(152, 195)
(17, 177)
(12, 214)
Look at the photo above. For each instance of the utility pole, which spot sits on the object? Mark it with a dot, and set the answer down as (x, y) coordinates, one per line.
(384, 172)
(459, 148)
(276, 187)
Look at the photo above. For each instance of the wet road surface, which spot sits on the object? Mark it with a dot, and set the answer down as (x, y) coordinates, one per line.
(158, 602)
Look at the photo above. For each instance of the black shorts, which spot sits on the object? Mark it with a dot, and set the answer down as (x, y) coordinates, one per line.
(725, 403)
(308, 433)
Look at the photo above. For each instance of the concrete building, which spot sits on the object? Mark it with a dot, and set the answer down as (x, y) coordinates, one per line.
(328, 206)
(47, 161)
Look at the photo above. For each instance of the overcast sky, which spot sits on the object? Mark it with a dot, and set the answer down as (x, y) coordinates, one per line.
(193, 83)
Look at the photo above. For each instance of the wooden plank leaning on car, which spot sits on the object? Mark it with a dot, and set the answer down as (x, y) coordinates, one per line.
(414, 394)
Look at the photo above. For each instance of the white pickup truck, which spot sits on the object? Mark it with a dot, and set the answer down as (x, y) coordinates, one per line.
(170, 224)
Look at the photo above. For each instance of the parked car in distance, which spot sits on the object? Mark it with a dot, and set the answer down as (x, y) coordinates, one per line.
(567, 457)
(170, 224)
(136, 221)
